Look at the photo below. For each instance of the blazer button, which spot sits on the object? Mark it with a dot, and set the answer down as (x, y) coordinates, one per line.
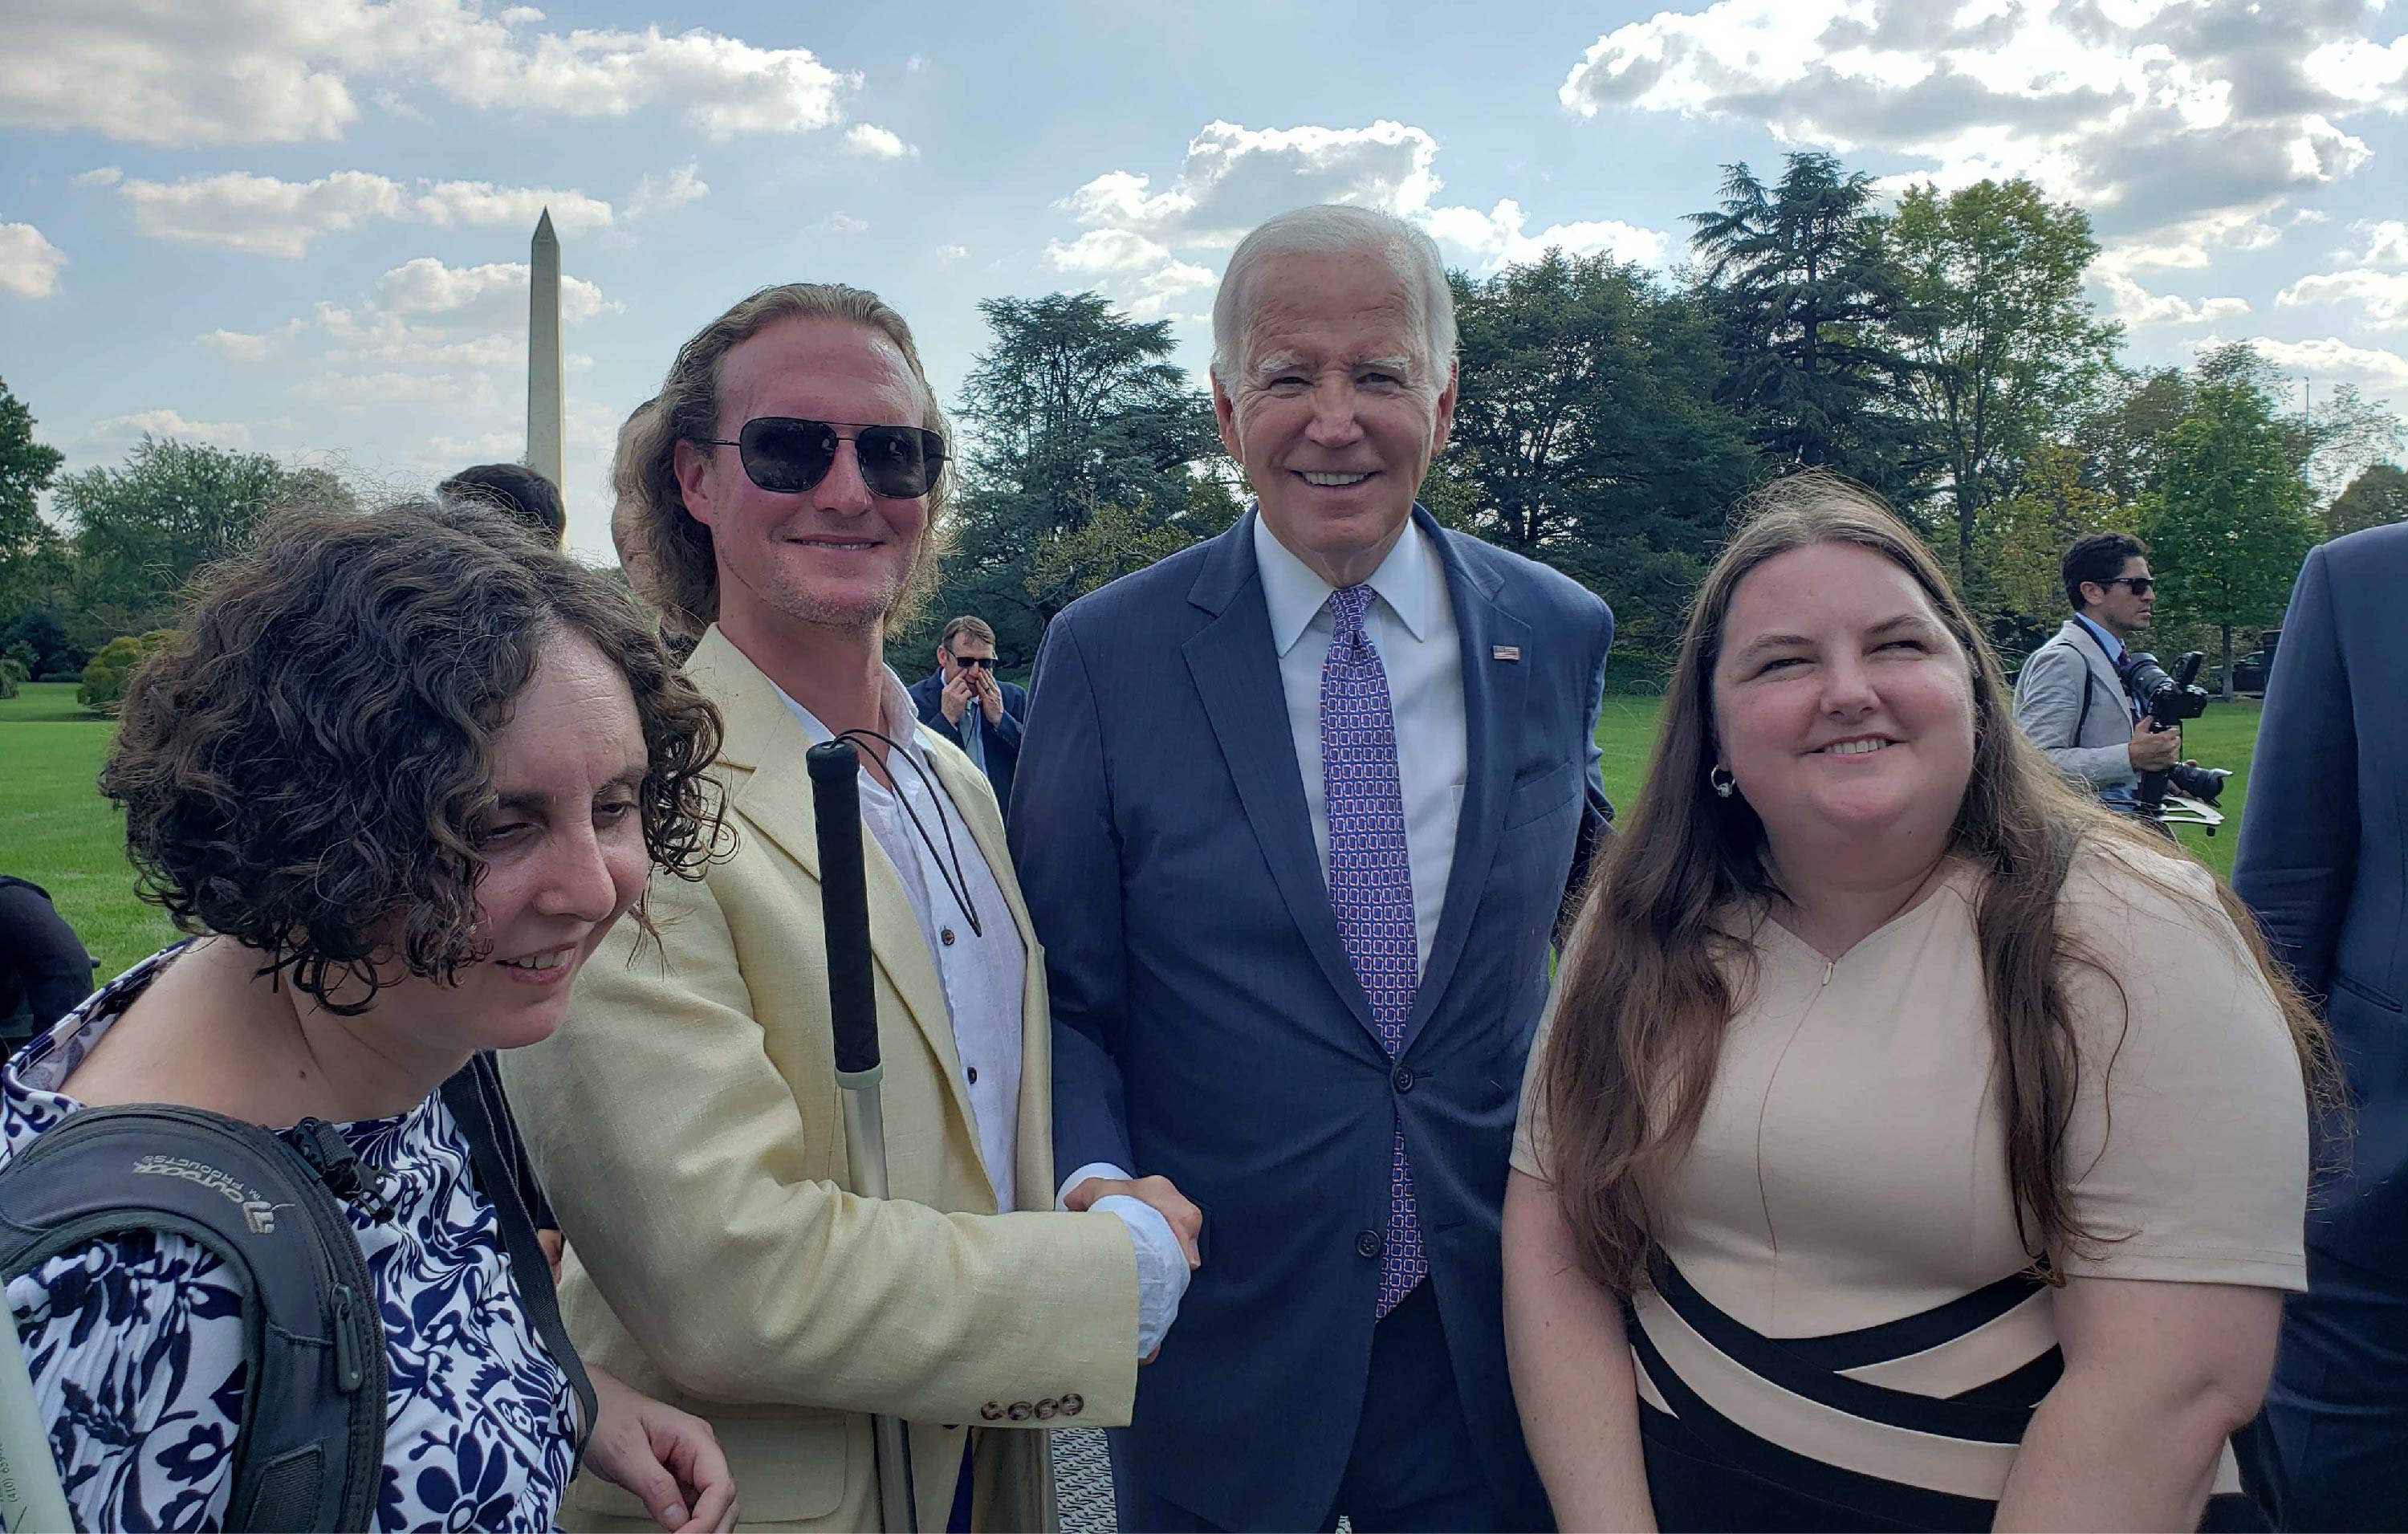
(1367, 1243)
(973, 1075)
(1404, 1079)
(1046, 1408)
(991, 1411)
(1021, 1411)
(948, 935)
(1072, 1405)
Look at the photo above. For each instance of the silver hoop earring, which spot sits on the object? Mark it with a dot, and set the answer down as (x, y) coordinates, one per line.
(1721, 780)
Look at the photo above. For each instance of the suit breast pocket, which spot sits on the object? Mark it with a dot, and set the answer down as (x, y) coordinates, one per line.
(1539, 797)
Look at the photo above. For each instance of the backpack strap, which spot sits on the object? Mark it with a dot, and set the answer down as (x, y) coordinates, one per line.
(311, 1449)
(475, 1097)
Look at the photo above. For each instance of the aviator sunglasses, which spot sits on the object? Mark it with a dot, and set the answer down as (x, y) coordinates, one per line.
(788, 454)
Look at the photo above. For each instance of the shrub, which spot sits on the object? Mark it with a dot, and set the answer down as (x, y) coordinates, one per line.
(12, 675)
(104, 678)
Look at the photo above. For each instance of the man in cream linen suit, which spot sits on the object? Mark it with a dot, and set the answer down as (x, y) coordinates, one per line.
(686, 1119)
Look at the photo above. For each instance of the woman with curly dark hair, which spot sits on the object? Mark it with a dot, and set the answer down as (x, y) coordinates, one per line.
(397, 777)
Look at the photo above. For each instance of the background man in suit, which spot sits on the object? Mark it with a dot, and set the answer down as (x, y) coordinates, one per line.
(2324, 863)
(964, 702)
(2070, 698)
(686, 1123)
(1295, 816)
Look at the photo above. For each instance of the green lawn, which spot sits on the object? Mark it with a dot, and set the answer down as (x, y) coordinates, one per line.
(56, 830)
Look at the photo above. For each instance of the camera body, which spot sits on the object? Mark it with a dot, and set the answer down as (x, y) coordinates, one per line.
(2167, 701)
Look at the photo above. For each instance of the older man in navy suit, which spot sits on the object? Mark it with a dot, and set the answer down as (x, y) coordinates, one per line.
(2324, 863)
(1297, 813)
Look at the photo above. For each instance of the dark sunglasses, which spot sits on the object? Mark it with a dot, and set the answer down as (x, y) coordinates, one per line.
(2141, 584)
(976, 662)
(787, 455)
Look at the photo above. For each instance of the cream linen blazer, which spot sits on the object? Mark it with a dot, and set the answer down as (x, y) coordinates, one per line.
(686, 1125)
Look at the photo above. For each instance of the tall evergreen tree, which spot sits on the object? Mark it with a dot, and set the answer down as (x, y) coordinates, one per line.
(1073, 410)
(1802, 290)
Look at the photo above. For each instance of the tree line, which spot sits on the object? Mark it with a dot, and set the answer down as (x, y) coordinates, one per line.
(1942, 352)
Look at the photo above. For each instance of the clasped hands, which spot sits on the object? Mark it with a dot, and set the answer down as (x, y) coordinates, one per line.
(1185, 1220)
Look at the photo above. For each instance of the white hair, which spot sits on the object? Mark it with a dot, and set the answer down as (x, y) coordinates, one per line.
(1330, 229)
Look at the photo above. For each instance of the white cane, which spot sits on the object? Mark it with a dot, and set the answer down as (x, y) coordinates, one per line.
(835, 768)
(30, 1495)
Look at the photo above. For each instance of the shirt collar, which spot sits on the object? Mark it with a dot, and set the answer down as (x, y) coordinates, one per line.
(900, 722)
(1295, 594)
(2114, 646)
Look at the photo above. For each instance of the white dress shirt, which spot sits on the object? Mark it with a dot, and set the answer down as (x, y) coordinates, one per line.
(1412, 625)
(984, 974)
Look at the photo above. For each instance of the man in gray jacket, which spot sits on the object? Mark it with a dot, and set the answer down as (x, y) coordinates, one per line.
(2070, 698)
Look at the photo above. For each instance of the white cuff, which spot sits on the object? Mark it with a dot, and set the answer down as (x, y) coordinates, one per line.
(1161, 1268)
(1092, 1168)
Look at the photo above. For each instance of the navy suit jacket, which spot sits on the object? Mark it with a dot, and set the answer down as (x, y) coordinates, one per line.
(1002, 740)
(2324, 860)
(1208, 1027)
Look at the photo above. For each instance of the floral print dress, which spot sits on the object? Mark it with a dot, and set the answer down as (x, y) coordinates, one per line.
(135, 1342)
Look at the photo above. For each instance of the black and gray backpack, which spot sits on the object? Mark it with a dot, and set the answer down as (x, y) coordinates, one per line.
(311, 1449)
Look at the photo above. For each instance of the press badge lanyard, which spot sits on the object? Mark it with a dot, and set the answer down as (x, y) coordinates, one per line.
(957, 881)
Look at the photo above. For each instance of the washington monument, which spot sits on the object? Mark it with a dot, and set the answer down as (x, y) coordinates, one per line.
(544, 430)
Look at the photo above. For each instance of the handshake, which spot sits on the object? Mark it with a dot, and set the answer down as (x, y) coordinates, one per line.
(1186, 1223)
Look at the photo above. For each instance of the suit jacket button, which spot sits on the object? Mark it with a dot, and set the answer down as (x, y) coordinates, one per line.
(1072, 1405)
(991, 1411)
(1404, 1079)
(948, 935)
(1046, 1408)
(1021, 1411)
(1367, 1243)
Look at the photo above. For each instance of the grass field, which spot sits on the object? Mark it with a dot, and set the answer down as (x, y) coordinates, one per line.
(56, 830)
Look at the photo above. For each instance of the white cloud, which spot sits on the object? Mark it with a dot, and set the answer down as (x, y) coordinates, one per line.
(29, 265)
(876, 142)
(263, 216)
(951, 252)
(2387, 244)
(683, 186)
(1105, 250)
(102, 176)
(130, 428)
(1158, 289)
(1233, 178)
(2384, 295)
(285, 70)
(1495, 238)
(2136, 305)
(466, 393)
(841, 223)
(243, 346)
(489, 296)
(2333, 359)
(2149, 112)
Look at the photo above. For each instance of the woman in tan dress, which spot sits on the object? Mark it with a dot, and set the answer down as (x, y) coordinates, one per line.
(1910, 1142)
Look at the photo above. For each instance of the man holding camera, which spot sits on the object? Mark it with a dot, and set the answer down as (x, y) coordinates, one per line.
(2070, 699)
(965, 703)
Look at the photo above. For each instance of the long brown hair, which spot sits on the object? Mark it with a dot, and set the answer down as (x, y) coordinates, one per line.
(1650, 978)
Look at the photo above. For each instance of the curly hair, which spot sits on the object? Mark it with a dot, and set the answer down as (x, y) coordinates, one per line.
(306, 769)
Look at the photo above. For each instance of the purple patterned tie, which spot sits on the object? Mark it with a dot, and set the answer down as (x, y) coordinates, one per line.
(1370, 882)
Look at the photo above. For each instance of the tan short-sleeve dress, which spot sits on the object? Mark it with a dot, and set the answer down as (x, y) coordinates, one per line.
(1848, 1307)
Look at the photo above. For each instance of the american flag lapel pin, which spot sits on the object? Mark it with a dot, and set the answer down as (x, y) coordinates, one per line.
(1505, 652)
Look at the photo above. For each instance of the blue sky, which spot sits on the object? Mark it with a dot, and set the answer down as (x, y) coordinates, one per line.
(300, 225)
